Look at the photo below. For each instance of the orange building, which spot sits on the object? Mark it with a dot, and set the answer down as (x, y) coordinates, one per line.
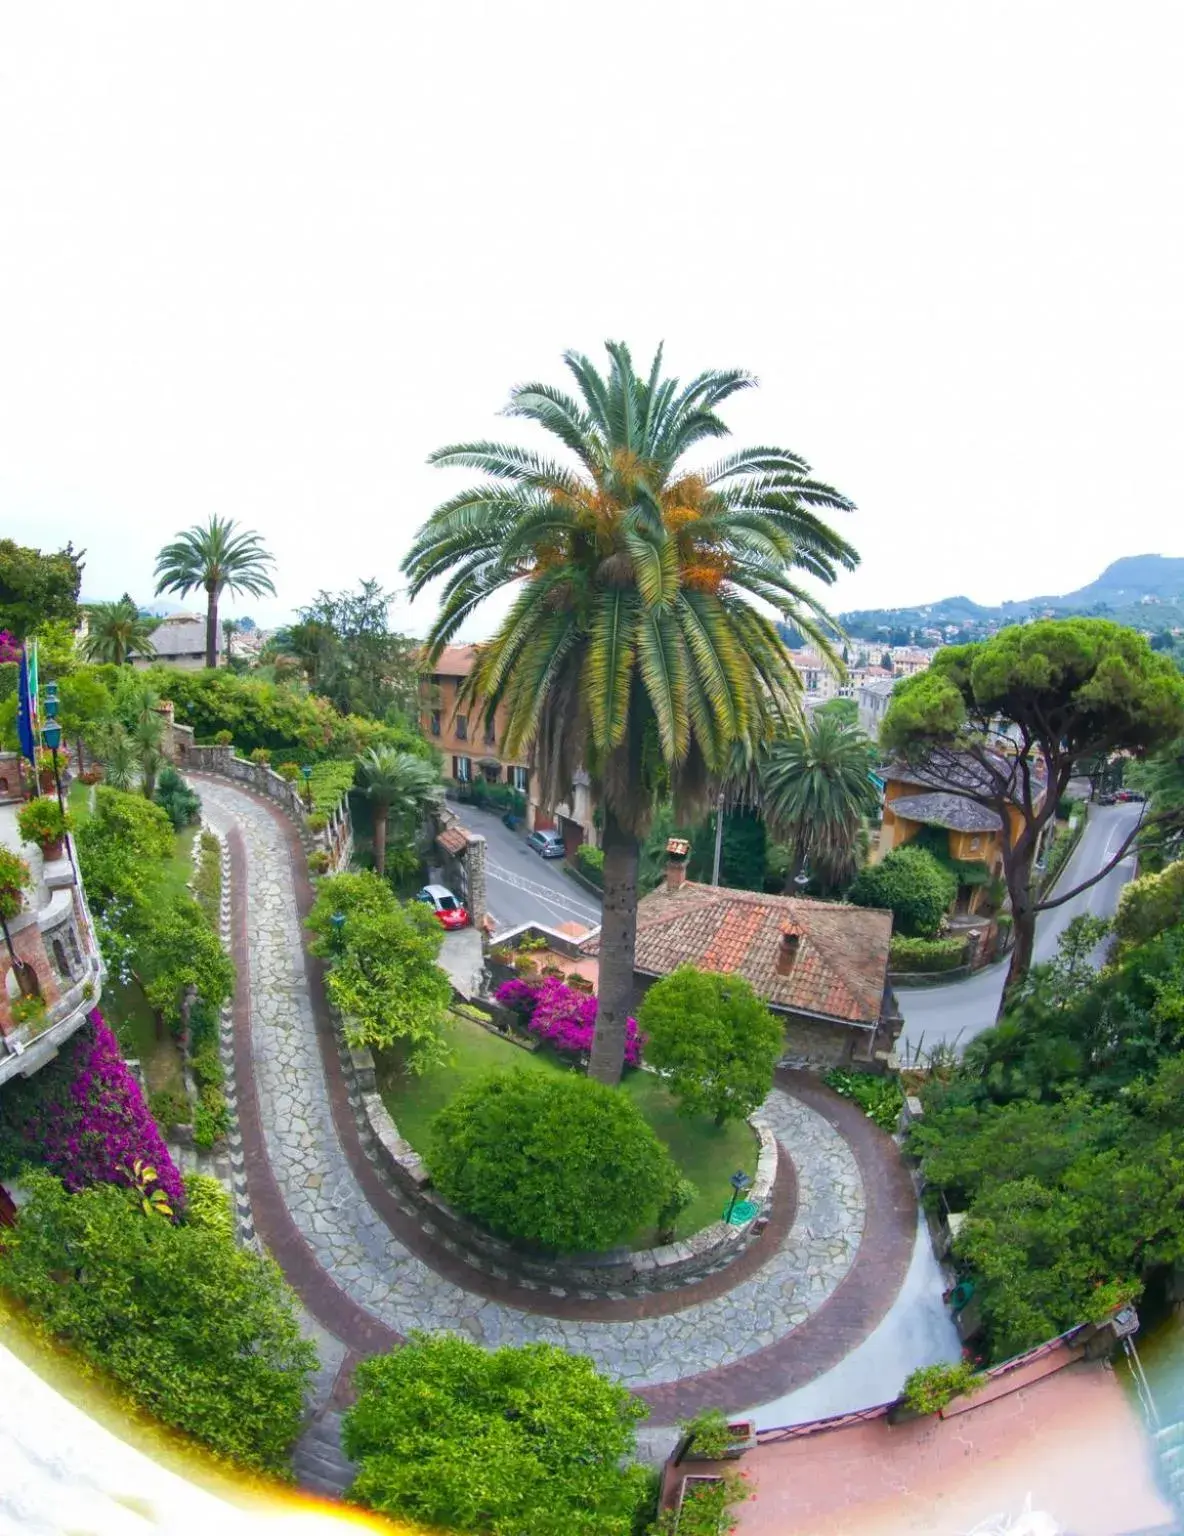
(471, 749)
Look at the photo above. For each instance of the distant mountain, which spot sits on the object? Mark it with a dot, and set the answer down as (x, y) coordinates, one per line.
(1145, 591)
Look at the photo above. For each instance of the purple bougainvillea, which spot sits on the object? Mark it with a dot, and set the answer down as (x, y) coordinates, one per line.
(10, 649)
(93, 1129)
(563, 1017)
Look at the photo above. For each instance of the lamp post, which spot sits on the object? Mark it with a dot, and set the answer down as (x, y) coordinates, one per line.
(739, 1182)
(719, 837)
(307, 772)
(338, 923)
(51, 735)
(802, 878)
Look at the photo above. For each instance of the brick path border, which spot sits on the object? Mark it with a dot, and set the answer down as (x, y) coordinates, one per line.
(843, 1321)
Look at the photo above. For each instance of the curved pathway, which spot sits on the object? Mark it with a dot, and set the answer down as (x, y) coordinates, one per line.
(807, 1292)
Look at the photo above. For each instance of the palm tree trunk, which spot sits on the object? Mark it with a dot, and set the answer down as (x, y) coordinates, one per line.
(379, 838)
(618, 943)
(212, 627)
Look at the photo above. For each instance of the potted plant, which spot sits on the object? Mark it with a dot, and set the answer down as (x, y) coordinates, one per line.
(712, 1437)
(45, 768)
(14, 881)
(929, 1388)
(29, 1012)
(43, 822)
(704, 1507)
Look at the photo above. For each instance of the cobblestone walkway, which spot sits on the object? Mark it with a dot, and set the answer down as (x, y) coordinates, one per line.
(380, 1274)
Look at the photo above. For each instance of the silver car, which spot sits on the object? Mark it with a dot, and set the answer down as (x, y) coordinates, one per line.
(548, 844)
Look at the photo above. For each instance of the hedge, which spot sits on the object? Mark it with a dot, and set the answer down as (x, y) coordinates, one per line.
(908, 955)
(590, 863)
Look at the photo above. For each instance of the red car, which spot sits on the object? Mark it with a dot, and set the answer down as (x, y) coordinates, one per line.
(452, 913)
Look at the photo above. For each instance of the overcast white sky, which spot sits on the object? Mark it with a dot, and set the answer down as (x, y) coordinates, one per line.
(260, 259)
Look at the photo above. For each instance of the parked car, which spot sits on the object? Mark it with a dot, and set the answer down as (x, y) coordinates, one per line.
(451, 912)
(1107, 798)
(549, 845)
(1129, 794)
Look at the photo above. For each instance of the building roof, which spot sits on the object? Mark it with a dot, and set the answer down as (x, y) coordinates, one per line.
(881, 686)
(453, 840)
(960, 772)
(954, 812)
(842, 962)
(180, 636)
(455, 661)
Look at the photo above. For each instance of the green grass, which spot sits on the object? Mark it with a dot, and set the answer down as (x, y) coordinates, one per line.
(706, 1154)
(78, 802)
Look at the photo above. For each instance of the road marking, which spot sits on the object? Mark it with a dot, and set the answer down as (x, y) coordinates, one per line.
(558, 899)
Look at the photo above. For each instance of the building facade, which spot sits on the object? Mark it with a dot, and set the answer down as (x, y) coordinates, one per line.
(471, 748)
(52, 940)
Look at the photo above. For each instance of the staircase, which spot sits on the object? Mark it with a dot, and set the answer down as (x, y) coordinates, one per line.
(318, 1460)
(1169, 1444)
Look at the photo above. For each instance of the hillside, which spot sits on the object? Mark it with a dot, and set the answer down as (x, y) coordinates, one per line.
(1145, 591)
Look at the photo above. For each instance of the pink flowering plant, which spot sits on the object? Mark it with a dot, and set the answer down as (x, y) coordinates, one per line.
(85, 1119)
(10, 649)
(562, 1017)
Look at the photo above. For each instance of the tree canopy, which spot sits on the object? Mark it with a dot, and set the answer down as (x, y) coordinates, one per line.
(349, 654)
(816, 789)
(714, 1039)
(216, 557)
(1003, 722)
(526, 1441)
(37, 588)
(914, 886)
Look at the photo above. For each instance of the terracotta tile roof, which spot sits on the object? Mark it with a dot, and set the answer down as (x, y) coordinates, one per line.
(455, 661)
(453, 840)
(842, 961)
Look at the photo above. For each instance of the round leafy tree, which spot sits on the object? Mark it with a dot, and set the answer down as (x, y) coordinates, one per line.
(527, 1440)
(715, 1040)
(915, 888)
(563, 1162)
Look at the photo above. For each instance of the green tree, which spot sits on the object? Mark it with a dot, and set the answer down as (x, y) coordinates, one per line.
(844, 710)
(525, 1441)
(383, 976)
(115, 632)
(402, 789)
(112, 744)
(714, 1039)
(817, 789)
(217, 559)
(1070, 689)
(348, 652)
(912, 885)
(1151, 905)
(631, 648)
(560, 1161)
(175, 797)
(178, 959)
(36, 589)
(203, 1334)
(85, 700)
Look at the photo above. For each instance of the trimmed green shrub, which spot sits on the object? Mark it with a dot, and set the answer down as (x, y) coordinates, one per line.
(912, 885)
(930, 1387)
(223, 738)
(289, 771)
(207, 1205)
(561, 1162)
(922, 955)
(529, 1440)
(207, 1067)
(211, 1118)
(168, 1108)
(261, 756)
(590, 863)
(202, 1334)
(318, 861)
(175, 797)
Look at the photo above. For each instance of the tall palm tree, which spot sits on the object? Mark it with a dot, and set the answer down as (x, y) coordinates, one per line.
(631, 648)
(401, 788)
(816, 789)
(217, 559)
(118, 631)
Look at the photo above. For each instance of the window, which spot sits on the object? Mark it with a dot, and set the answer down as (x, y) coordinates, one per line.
(435, 722)
(59, 960)
(462, 769)
(490, 734)
(519, 777)
(462, 727)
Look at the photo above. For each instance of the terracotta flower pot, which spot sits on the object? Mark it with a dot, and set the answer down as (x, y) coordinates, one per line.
(53, 850)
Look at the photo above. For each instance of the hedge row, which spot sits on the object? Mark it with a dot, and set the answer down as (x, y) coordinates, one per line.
(919, 955)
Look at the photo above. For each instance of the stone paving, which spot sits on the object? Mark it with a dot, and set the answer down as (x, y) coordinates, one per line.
(374, 1268)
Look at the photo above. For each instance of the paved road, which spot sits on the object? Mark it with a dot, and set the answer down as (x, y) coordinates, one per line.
(520, 886)
(962, 1009)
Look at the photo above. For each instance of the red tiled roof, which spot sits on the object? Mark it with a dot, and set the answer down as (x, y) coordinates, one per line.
(455, 661)
(842, 960)
(453, 840)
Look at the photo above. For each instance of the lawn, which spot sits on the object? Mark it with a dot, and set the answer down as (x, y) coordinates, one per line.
(706, 1154)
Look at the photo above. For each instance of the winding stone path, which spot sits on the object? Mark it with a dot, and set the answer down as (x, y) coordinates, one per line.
(367, 1271)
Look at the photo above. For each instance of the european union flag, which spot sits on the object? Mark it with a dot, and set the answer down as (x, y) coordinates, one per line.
(26, 715)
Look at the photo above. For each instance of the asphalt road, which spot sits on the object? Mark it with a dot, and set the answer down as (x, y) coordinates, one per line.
(957, 1012)
(521, 887)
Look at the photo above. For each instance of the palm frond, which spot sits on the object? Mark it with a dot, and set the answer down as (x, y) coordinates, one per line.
(608, 666)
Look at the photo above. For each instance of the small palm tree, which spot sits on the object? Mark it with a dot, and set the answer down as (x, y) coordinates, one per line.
(401, 788)
(216, 559)
(229, 630)
(113, 746)
(118, 631)
(816, 789)
(632, 648)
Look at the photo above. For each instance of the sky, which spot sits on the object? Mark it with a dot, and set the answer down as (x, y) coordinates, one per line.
(261, 259)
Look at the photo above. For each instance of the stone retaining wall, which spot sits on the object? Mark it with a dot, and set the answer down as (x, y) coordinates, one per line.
(619, 1272)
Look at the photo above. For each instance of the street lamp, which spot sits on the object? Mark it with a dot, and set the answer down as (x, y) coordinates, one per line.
(51, 735)
(739, 1182)
(338, 924)
(802, 878)
(306, 770)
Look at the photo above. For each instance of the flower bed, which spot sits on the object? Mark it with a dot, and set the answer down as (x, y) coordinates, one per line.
(561, 1016)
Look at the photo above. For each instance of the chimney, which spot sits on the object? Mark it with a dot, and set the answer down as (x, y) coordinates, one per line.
(677, 852)
(787, 950)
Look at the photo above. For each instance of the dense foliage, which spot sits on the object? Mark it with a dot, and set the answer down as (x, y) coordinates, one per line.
(713, 1039)
(203, 1334)
(562, 1017)
(880, 1098)
(382, 971)
(912, 885)
(526, 1441)
(37, 588)
(83, 1117)
(1151, 905)
(1060, 1136)
(344, 646)
(558, 1161)
(923, 956)
(179, 802)
(816, 791)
